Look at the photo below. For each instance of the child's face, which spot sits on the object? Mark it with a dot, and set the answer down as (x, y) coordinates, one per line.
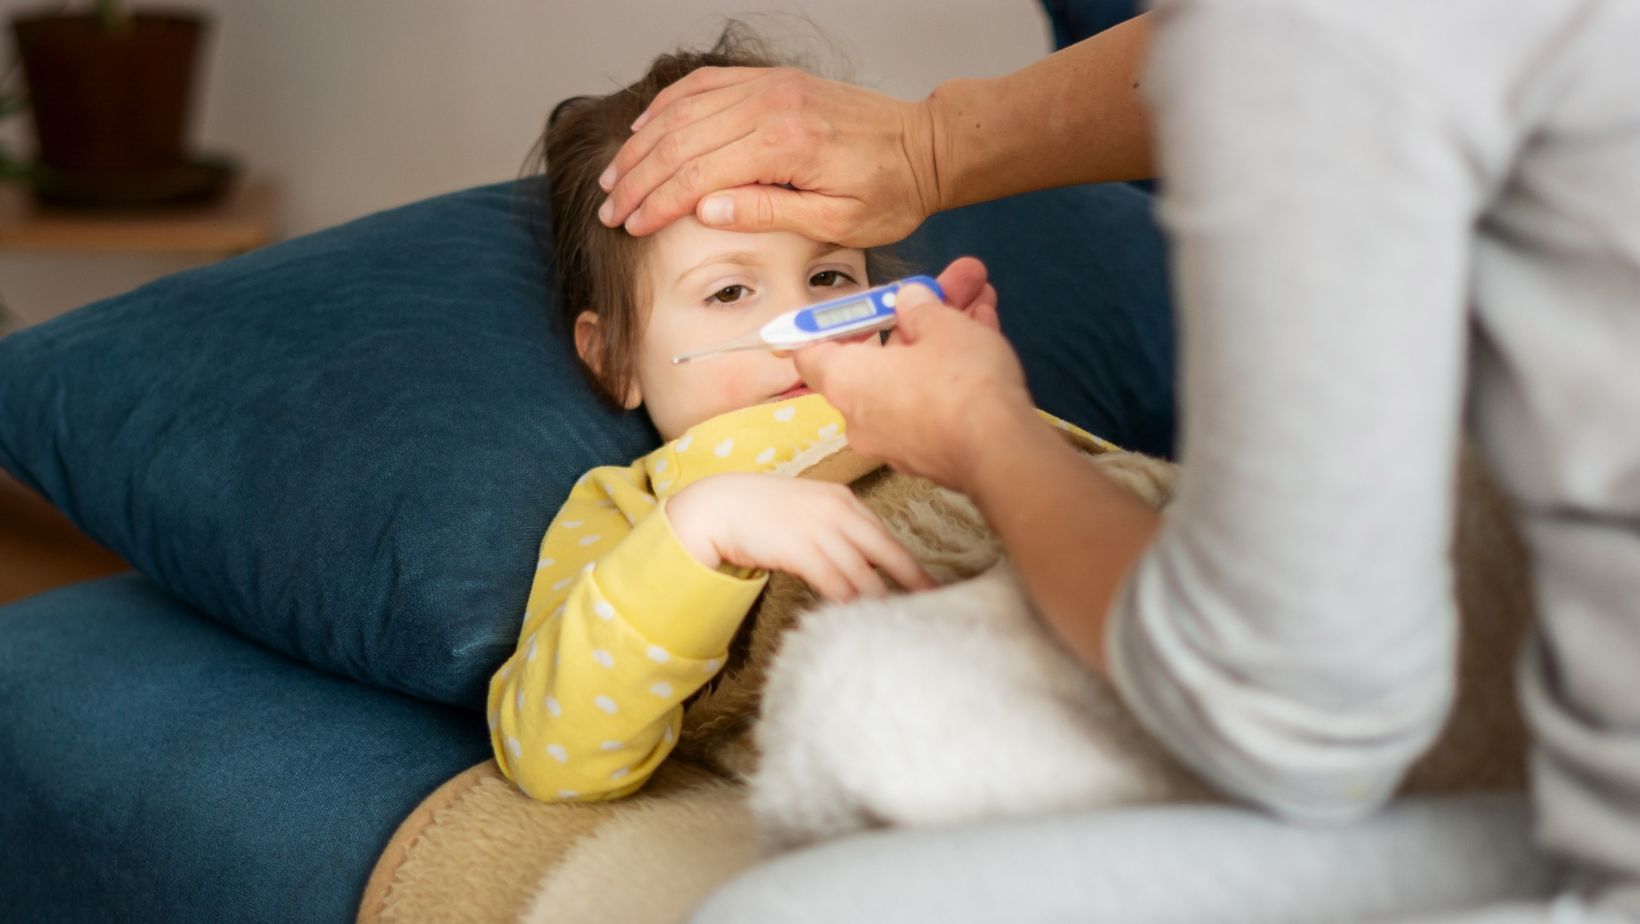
(709, 286)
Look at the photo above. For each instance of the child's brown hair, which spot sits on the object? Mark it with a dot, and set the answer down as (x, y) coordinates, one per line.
(597, 268)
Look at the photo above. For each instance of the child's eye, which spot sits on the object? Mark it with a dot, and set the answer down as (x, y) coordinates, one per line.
(728, 294)
(830, 278)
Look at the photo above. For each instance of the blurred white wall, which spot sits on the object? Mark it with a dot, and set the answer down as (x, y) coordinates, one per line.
(358, 105)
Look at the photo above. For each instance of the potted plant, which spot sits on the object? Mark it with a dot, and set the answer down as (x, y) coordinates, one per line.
(109, 90)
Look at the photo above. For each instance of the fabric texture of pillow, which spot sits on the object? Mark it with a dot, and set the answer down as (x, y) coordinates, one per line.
(348, 446)
(159, 767)
(1074, 20)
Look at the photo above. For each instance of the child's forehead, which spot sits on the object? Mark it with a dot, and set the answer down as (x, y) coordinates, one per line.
(687, 245)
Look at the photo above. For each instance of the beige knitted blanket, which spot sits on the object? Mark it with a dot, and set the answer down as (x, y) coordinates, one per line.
(479, 851)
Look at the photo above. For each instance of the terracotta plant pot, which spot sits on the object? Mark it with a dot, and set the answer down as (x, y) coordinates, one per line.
(109, 101)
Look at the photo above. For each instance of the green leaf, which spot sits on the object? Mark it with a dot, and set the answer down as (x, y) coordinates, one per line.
(13, 168)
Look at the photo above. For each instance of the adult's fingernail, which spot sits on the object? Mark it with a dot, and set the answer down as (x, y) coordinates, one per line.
(641, 120)
(633, 219)
(606, 211)
(607, 181)
(718, 210)
(918, 293)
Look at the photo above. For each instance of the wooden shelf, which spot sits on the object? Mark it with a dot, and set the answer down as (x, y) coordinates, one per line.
(244, 219)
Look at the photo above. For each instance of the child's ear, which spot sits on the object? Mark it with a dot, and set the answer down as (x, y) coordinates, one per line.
(589, 343)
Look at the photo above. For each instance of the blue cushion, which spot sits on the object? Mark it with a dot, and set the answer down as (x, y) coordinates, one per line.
(157, 766)
(348, 446)
(1074, 20)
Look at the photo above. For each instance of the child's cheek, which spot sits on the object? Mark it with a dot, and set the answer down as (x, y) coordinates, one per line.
(737, 386)
(732, 391)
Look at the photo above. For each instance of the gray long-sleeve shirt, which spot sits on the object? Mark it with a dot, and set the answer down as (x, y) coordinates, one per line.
(1390, 217)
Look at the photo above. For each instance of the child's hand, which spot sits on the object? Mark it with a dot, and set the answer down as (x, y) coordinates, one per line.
(817, 531)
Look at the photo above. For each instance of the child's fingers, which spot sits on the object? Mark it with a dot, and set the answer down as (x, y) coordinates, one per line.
(881, 548)
(817, 568)
(846, 556)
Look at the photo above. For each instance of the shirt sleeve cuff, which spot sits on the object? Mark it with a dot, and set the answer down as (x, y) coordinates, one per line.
(666, 594)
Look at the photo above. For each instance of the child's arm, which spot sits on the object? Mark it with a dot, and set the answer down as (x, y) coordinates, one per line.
(591, 702)
(623, 624)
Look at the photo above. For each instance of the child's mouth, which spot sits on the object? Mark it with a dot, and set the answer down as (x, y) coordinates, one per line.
(796, 391)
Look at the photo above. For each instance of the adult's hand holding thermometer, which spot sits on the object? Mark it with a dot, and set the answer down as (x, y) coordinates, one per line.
(852, 315)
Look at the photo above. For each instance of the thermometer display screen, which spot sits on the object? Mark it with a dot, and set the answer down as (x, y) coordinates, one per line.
(843, 314)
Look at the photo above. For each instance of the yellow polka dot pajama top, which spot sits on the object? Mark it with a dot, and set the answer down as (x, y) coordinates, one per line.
(622, 623)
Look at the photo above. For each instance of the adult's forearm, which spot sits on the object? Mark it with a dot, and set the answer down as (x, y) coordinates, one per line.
(1071, 532)
(1074, 117)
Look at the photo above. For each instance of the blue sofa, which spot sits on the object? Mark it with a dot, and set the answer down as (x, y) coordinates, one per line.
(330, 462)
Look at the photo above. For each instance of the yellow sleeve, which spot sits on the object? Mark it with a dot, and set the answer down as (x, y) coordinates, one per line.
(591, 702)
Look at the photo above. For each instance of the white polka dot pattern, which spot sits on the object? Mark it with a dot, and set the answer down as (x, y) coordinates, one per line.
(554, 743)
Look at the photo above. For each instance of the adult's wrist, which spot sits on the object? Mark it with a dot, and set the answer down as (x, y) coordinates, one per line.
(921, 139)
(945, 158)
(1073, 117)
(997, 431)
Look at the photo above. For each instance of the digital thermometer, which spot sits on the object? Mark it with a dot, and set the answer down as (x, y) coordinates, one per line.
(862, 313)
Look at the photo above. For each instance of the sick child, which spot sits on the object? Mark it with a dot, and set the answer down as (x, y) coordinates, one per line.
(647, 571)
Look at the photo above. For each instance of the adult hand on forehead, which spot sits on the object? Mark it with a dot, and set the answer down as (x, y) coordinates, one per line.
(944, 384)
(721, 142)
